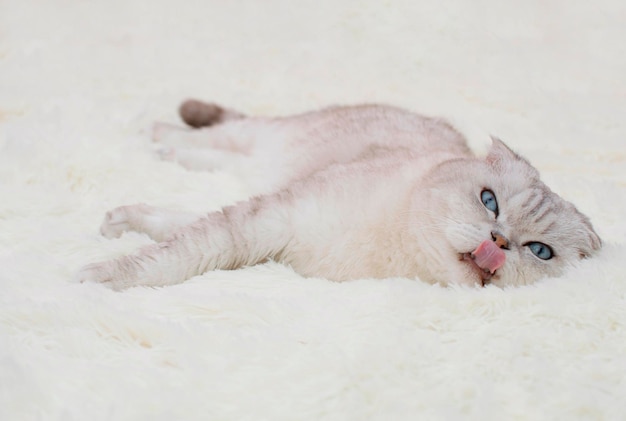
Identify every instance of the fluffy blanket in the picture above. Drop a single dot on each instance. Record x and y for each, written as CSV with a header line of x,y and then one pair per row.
x,y
81,84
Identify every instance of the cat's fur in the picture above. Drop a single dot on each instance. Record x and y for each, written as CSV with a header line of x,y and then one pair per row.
x,y
351,192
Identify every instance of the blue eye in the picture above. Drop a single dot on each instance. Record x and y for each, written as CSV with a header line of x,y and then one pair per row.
x,y
489,200
541,250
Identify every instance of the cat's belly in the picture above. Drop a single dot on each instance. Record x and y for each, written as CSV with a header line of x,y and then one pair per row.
x,y
348,250
355,261
350,221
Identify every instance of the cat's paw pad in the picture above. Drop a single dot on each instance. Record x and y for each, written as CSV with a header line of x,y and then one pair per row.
x,y
118,221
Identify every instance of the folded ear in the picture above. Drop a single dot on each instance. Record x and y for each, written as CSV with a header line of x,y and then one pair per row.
x,y
499,152
503,159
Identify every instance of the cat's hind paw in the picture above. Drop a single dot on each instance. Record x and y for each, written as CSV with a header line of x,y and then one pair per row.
x,y
167,133
166,154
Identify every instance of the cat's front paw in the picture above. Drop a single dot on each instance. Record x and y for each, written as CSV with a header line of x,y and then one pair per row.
x,y
102,273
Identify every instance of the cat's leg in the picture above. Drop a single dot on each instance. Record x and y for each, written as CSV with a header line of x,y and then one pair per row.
x,y
206,149
202,159
240,235
236,136
255,149
158,223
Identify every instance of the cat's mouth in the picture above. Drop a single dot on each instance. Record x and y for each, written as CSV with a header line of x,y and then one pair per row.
x,y
485,260
484,274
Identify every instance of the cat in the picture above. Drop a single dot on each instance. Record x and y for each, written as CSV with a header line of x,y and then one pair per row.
x,y
349,192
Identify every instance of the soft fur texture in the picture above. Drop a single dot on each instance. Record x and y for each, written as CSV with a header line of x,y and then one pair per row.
x,y
353,192
80,86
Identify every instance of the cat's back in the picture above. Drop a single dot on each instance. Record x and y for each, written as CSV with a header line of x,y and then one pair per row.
x,y
287,149
379,125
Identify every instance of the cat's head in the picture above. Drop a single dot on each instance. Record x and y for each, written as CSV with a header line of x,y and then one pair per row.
x,y
492,220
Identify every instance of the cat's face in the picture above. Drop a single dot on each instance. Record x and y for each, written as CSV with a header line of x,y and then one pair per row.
x,y
492,220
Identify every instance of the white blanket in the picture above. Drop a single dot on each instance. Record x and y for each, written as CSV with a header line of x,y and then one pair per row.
x,y
81,84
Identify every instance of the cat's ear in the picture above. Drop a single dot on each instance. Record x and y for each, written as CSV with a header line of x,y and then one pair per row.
x,y
500,152
502,158
593,243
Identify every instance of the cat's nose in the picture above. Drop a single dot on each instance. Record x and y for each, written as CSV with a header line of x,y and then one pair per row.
x,y
500,240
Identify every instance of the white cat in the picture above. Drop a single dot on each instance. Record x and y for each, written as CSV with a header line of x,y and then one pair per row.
x,y
352,192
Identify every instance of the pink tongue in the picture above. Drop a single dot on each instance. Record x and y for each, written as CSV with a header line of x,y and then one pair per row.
x,y
489,256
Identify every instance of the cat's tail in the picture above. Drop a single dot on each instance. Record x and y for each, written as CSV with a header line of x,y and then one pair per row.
x,y
201,114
